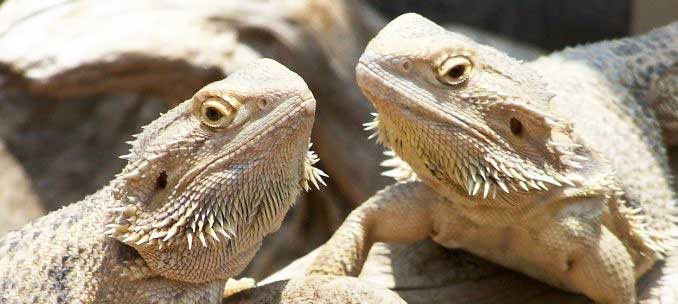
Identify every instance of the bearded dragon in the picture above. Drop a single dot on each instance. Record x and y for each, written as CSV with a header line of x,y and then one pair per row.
x,y
204,183
554,168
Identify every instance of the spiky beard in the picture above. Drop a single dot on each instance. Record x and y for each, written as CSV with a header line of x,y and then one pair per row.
x,y
312,175
196,220
477,176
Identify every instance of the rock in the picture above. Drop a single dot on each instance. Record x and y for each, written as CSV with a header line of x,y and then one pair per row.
x,y
18,202
70,148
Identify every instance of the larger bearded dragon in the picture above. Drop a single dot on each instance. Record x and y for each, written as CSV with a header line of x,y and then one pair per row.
x,y
203,185
555,168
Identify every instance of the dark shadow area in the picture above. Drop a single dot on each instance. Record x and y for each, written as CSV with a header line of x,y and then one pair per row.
x,y
548,24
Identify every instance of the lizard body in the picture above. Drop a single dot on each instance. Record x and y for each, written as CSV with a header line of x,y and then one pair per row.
x,y
204,184
555,168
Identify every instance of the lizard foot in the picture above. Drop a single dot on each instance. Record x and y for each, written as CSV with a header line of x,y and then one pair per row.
x,y
234,286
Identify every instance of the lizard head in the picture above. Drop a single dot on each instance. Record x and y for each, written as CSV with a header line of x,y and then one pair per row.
x,y
464,115
221,169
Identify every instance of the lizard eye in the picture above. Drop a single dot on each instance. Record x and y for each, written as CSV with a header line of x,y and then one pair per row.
x,y
216,113
455,70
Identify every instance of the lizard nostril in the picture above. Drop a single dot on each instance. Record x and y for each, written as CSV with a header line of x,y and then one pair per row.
x,y
262,103
407,65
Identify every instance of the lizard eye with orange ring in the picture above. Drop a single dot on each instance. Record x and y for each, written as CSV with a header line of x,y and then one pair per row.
x,y
216,113
455,70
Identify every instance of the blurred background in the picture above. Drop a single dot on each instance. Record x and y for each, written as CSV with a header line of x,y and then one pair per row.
x,y
78,78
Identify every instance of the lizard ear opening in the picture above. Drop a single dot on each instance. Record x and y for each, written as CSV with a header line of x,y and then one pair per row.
x,y
161,181
533,132
516,126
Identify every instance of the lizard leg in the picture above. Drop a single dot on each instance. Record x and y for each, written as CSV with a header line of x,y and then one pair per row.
x,y
400,213
593,260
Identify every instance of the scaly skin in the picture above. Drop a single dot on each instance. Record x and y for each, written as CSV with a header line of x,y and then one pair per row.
x,y
204,184
555,168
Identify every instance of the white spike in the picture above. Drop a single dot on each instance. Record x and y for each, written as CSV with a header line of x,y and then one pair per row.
x,y
515,174
143,239
132,175
170,233
213,234
202,238
469,186
127,157
472,171
565,180
502,185
318,177
156,234
476,188
393,173
195,221
391,162
131,238
314,181
486,189
221,231
483,172
165,222
118,228
551,181
182,220
189,238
